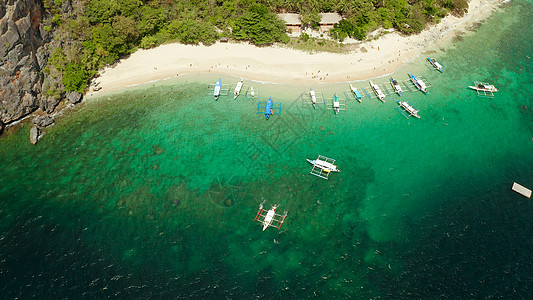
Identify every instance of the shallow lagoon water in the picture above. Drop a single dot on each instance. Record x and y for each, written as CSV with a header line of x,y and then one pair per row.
x,y
152,192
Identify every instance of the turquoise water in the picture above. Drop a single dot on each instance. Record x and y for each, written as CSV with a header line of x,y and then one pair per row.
x,y
152,192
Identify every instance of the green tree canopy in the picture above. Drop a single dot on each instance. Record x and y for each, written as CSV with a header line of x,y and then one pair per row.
x,y
259,26
75,78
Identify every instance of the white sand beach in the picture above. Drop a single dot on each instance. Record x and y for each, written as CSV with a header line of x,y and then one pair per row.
x,y
277,64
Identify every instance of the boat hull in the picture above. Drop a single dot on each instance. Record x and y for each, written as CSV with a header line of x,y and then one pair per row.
x,y
313,162
420,85
435,64
217,89
397,88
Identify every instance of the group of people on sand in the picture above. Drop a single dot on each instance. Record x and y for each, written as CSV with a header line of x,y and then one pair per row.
x,y
313,76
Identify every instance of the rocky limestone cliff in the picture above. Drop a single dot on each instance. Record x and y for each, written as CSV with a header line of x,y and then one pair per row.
x,y
23,55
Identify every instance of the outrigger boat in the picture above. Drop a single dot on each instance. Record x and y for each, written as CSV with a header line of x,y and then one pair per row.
x,y
269,108
418,83
408,109
378,92
270,218
436,64
484,89
238,88
323,166
336,104
218,86
356,93
252,93
313,97
396,86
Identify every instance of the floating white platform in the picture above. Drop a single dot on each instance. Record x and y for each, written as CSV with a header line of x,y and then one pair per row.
x,y
521,190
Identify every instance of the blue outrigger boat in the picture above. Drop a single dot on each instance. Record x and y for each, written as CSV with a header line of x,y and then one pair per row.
x,y
269,108
436,64
418,83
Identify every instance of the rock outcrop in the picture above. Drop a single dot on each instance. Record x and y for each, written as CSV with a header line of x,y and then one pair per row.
x,y
23,55
34,135
43,121
74,97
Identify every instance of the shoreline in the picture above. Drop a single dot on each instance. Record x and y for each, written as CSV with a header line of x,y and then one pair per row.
x,y
375,58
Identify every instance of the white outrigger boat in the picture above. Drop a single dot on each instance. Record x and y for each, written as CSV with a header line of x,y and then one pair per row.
x,y
313,97
336,104
323,166
436,64
407,109
396,86
481,86
270,218
252,93
378,92
356,93
418,83
484,89
238,88
218,87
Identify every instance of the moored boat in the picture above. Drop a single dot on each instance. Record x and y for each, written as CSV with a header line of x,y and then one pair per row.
x,y
436,64
484,87
238,88
409,109
313,97
218,87
323,165
336,104
270,218
418,83
268,108
356,93
396,86
378,92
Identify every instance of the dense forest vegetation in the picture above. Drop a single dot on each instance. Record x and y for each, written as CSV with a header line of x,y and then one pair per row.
x,y
95,33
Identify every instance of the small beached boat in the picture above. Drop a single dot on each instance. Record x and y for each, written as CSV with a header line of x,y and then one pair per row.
x,y
436,64
378,92
396,86
216,91
238,88
356,93
408,109
418,83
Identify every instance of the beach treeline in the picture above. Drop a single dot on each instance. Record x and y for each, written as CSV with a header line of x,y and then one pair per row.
x,y
90,34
